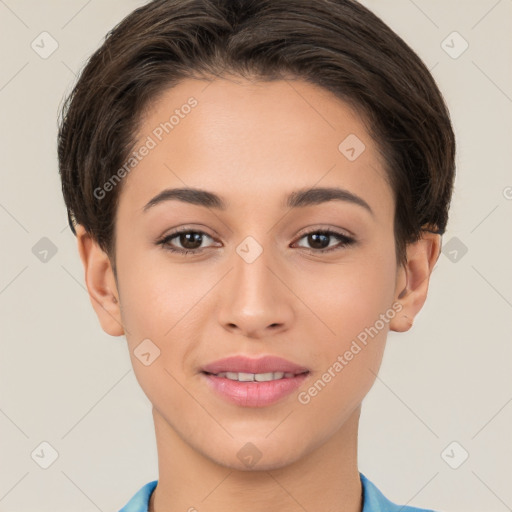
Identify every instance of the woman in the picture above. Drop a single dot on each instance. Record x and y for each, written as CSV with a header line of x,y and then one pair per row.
x,y
258,190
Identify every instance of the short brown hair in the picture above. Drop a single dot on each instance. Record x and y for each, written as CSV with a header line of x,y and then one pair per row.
x,y
336,44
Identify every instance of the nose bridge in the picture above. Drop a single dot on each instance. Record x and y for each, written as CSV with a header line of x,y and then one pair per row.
x,y
256,299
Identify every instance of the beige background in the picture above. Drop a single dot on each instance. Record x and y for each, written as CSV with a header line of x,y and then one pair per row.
x,y
64,382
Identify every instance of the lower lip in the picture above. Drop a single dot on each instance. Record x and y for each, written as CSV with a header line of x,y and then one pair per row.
x,y
254,394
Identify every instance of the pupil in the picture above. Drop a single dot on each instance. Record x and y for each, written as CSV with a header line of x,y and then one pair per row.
x,y
318,240
196,238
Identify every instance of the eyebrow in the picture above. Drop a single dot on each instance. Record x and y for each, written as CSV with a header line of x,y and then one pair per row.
x,y
297,199
188,195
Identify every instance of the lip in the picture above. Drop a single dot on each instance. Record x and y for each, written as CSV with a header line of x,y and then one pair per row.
x,y
243,364
254,394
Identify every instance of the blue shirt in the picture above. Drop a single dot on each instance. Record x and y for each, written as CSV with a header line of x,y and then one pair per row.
x,y
373,499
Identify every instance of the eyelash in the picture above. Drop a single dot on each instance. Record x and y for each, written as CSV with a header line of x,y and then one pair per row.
x,y
345,241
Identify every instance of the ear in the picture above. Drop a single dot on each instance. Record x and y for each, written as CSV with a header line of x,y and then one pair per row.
x,y
100,282
413,279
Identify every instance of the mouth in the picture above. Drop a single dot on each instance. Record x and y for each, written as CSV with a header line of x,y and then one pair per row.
x,y
256,377
248,382
245,369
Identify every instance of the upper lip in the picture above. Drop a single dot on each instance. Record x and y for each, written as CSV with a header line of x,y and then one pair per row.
x,y
243,364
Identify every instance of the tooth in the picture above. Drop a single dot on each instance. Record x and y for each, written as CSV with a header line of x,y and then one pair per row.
x,y
263,377
258,377
245,377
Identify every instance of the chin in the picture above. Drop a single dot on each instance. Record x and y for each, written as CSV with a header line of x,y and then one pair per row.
x,y
258,455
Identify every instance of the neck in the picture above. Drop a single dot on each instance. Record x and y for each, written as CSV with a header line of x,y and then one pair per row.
x,y
324,479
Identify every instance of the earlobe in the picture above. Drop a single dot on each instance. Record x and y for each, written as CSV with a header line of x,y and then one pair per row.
x,y
100,282
413,279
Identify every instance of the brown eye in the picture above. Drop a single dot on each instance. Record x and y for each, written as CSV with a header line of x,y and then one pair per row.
x,y
321,240
190,240
185,242
318,240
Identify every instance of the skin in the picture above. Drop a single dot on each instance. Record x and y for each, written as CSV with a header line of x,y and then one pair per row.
x,y
253,143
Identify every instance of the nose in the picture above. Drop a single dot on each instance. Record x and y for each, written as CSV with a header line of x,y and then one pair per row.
x,y
255,301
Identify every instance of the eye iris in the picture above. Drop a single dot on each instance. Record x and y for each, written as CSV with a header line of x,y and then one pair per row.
x,y
194,238
318,240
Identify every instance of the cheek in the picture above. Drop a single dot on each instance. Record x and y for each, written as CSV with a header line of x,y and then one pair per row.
x,y
348,360
166,304
157,306
353,302
347,297
154,293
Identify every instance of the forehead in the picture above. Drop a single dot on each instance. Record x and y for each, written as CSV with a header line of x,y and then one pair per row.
x,y
251,139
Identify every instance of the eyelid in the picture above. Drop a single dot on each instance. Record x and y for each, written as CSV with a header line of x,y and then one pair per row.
x,y
322,228
344,241
164,239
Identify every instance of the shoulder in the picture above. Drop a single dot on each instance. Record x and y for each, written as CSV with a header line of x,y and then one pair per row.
x,y
375,501
140,500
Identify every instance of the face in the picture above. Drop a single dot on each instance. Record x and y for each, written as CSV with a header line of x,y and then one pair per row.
x,y
272,268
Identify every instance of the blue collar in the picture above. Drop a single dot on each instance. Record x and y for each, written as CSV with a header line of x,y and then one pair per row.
x,y
373,499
